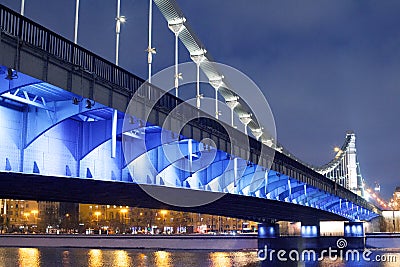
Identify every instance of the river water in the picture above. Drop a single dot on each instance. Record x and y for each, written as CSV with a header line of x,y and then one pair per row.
x,y
52,257
77,257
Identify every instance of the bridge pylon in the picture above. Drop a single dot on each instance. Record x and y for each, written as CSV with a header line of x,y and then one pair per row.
x,y
344,168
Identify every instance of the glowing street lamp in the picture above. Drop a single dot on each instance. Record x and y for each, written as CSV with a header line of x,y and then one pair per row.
x,y
26,214
35,213
97,214
164,212
123,213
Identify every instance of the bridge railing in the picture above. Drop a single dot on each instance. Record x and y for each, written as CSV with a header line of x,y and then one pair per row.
x,y
32,33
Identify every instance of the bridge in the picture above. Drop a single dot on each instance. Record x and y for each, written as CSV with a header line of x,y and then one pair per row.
x,y
67,122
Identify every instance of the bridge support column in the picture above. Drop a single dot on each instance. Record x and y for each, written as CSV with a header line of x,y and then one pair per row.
x,y
354,229
268,234
268,230
310,235
354,234
310,230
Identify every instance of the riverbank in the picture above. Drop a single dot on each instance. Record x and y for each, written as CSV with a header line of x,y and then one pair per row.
x,y
181,242
383,240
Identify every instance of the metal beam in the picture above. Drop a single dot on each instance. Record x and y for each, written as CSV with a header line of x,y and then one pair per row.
x,y
28,101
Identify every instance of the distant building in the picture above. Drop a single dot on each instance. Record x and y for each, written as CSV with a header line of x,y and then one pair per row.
x,y
34,216
18,215
59,217
117,219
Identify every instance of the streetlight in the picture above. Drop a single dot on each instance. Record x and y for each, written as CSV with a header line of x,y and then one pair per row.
x,y
216,83
76,21
26,214
150,50
118,20
198,57
123,214
35,213
163,213
97,214
176,26
22,7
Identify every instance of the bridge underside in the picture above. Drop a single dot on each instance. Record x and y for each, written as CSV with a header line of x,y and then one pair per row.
x,y
64,139
51,188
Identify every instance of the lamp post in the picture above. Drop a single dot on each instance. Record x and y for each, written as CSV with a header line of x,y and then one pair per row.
x,y
22,7
35,213
216,83
163,213
26,214
118,20
198,57
176,26
150,50
97,214
76,21
245,119
232,103
123,215
67,222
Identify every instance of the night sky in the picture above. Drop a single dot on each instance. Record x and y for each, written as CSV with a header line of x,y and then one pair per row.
x,y
325,67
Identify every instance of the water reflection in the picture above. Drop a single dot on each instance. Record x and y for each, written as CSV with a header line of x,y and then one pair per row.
x,y
220,259
49,257
121,259
141,260
242,258
163,258
374,259
95,258
29,257
65,259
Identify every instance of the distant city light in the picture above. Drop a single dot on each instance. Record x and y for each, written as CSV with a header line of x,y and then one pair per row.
x,y
164,212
